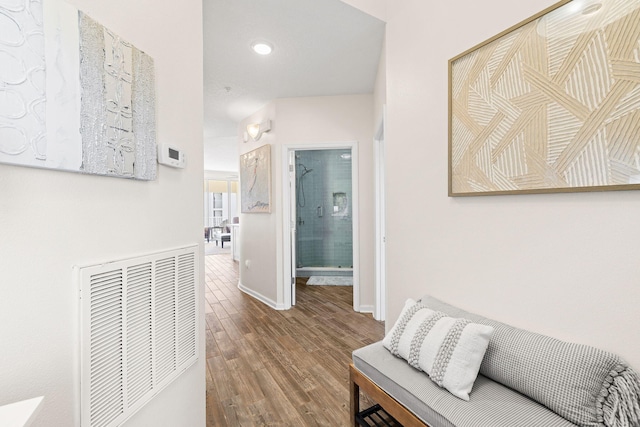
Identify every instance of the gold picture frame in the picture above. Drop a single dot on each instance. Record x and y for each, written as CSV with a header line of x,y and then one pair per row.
x,y
255,180
551,104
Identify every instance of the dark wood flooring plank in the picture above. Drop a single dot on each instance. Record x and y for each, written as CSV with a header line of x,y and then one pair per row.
x,y
277,398
312,415
279,368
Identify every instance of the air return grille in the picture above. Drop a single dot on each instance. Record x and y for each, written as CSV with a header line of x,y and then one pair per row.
x,y
138,331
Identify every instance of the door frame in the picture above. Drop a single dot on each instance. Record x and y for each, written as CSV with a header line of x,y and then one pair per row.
x,y
379,312
289,224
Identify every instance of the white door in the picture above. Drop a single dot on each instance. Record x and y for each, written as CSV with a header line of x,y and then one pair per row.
x,y
294,217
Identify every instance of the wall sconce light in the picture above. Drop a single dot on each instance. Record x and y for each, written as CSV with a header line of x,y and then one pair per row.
x,y
255,130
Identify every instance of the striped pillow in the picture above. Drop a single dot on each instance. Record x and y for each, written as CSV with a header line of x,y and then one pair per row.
x,y
449,350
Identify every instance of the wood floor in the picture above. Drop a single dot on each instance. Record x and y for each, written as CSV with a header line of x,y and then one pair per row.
x,y
280,368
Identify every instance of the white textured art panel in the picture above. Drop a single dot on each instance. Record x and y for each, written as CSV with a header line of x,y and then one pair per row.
x,y
64,147
22,83
74,95
118,79
111,99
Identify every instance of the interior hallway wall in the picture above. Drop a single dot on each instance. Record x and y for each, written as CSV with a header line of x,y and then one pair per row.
x,y
303,121
258,236
51,221
559,264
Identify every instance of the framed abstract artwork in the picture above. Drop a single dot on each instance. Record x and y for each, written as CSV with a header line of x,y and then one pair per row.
x,y
74,95
549,105
255,180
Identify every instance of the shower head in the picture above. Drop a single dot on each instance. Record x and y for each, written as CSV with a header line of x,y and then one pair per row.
x,y
305,170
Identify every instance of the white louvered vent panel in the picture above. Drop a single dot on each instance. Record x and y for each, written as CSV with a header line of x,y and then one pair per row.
x,y
139,329
107,388
186,308
165,330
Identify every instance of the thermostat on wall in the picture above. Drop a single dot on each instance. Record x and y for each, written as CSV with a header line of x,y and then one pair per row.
x,y
171,156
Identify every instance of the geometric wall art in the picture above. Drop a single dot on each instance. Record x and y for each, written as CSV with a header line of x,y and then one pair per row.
x,y
549,105
255,180
74,96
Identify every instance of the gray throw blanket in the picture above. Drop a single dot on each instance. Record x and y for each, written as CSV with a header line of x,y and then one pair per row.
x,y
585,385
619,400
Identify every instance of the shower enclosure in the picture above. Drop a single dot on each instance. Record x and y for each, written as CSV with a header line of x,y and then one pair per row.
x,y
323,212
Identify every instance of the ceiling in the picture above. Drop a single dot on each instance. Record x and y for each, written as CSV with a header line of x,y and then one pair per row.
x,y
321,47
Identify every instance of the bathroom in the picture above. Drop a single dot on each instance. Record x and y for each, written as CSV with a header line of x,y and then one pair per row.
x,y
324,243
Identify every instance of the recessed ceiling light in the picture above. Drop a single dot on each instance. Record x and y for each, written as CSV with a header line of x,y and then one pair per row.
x,y
262,48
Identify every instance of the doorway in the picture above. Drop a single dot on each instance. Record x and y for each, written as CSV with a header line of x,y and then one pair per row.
x,y
320,228
324,246
221,215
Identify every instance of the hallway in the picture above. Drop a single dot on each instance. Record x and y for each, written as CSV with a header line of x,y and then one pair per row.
x,y
268,367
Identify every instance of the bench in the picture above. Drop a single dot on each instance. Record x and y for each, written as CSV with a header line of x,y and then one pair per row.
x,y
525,380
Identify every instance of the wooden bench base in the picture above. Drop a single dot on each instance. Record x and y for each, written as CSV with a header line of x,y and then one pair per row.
x,y
395,409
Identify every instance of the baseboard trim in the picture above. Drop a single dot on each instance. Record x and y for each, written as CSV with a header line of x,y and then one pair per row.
x,y
268,301
366,309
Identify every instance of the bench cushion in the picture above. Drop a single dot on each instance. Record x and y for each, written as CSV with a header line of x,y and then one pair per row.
x,y
585,385
490,403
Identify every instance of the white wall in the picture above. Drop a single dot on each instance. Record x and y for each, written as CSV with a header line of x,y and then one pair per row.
x,y
221,175
258,230
560,264
51,221
377,8
303,121
221,154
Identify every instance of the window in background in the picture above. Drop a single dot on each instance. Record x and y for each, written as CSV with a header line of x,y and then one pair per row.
x,y
220,202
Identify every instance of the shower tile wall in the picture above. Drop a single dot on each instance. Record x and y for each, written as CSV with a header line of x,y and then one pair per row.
x,y
324,231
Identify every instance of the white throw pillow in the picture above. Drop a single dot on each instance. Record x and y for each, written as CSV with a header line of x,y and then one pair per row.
x,y
449,350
